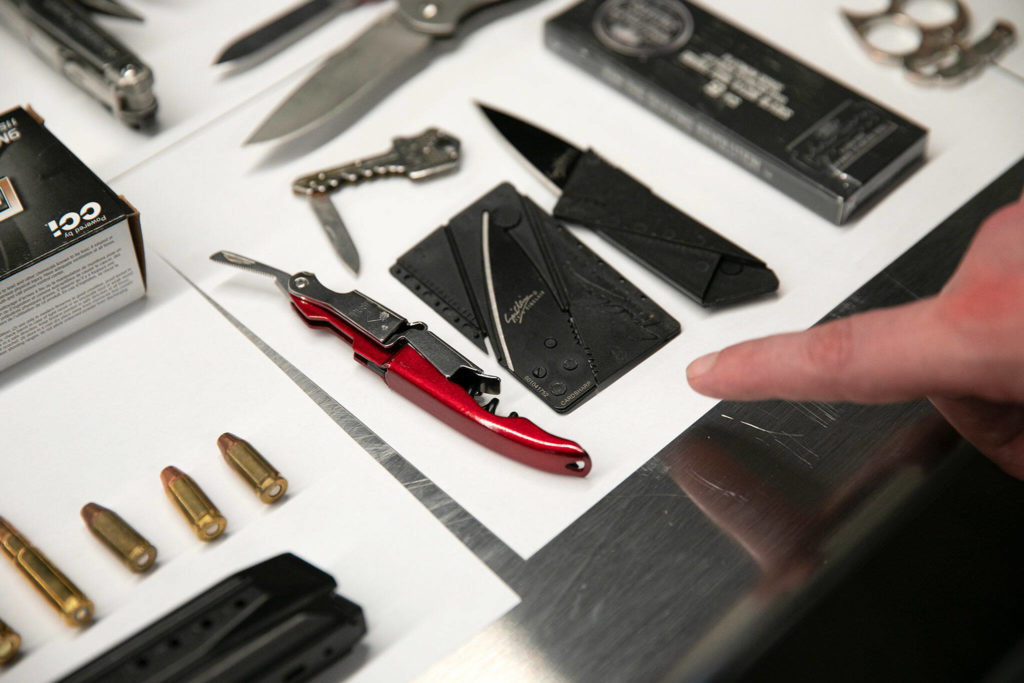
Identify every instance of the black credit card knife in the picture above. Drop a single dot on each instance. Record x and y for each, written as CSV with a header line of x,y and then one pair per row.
x,y
559,318
698,261
279,620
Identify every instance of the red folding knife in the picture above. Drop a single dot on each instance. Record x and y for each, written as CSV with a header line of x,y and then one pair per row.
x,y
417,364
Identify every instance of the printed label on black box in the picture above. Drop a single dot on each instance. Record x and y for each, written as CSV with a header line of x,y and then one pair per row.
x,y
74,222
643,28
733,80
9,132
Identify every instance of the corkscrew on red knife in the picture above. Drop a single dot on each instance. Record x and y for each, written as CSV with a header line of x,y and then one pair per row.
x,y
420,366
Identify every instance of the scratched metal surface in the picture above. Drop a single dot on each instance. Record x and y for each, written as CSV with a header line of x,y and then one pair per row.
x,y
695,564
692,566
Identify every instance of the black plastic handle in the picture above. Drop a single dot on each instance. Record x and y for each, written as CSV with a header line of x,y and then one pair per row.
x,y
279,620
698,261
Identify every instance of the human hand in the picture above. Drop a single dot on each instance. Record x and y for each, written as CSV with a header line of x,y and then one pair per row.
x,y
962,348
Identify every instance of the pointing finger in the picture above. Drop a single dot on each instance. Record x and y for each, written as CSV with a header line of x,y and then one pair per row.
x,y
885,355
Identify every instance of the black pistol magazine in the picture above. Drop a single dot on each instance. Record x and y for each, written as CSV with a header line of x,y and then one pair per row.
x,y
279,620
560,319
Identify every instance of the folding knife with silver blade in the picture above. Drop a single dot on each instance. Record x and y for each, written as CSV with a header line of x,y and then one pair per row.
x,y
353,80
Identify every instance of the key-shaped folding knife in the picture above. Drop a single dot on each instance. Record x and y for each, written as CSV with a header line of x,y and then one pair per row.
x,y
420,366
422,156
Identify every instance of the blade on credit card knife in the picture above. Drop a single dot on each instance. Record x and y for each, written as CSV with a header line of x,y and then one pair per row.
x,y
284,29
696,260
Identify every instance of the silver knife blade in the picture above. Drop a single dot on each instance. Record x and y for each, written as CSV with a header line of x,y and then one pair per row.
x,y
281,278
284,29
351,80
335,228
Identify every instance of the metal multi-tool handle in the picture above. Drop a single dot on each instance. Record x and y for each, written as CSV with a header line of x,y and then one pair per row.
x,y
428,154
417,364
66,37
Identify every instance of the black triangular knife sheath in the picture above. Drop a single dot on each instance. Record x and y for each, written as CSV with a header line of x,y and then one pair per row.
x,y
698,261
560,319
279,620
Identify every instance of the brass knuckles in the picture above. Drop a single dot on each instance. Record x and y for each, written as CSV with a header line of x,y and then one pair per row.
x,y
942,57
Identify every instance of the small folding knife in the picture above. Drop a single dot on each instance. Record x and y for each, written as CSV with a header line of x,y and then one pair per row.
x,y
420,366
696,260
354,79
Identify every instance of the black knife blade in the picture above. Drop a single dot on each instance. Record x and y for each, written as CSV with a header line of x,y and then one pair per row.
x,y
696,260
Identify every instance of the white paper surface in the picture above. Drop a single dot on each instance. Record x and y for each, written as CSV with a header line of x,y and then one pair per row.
x,y
98,416
207,193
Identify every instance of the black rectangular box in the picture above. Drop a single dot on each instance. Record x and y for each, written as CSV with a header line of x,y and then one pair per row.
x,y
824,145
70,249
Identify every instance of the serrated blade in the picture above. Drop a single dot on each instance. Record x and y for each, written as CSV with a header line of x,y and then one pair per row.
x,y
335,228
350,81
281,278
551,155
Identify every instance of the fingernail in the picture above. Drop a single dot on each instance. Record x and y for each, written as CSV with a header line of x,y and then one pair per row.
x,y
701,366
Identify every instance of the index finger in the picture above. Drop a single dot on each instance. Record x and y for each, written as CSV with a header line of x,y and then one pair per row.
x,y
880,356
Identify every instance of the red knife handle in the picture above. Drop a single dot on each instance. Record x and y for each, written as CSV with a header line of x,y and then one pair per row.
x,y
414,377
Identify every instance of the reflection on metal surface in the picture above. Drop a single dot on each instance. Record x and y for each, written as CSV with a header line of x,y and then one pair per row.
x,y
506,653
695,563
799,523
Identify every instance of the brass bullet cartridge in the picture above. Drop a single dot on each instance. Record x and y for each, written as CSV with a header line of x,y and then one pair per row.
x,y
75,608
257,472
202,515
136,552
10,642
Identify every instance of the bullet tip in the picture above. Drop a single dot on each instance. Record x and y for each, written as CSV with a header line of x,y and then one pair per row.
x,y
225,441
90,511
170,474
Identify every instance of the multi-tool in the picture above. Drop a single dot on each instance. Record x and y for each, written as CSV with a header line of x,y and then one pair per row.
x,y
63,33
422,156
351,81
284,29
420,366
699,262
942,55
